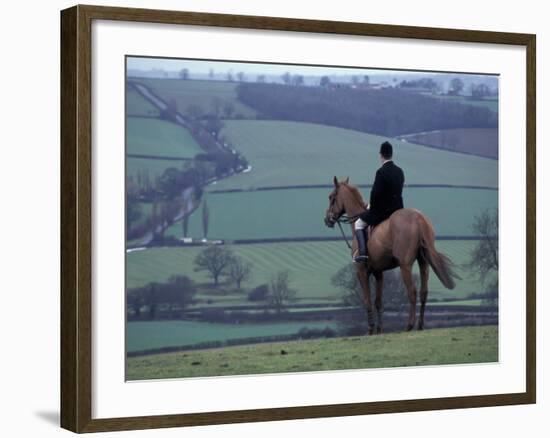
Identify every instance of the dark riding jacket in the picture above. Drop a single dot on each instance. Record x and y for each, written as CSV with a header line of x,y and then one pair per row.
x,y
386,194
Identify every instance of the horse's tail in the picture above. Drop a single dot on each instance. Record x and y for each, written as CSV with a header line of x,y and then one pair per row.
x,y
440,263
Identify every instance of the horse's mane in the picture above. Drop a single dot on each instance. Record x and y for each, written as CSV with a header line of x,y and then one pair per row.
x,y
355,193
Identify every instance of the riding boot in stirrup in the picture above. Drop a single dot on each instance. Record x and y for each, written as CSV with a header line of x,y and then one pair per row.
x,y
361,236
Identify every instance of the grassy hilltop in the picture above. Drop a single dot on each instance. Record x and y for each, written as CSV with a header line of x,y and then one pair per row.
x,y
431,347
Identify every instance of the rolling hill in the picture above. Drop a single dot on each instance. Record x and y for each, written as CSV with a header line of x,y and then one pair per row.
x,y
204,94
299,212
157,138
292,153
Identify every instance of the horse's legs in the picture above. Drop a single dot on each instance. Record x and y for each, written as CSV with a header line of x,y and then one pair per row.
x,y
363,278
424,273
379,276
406,273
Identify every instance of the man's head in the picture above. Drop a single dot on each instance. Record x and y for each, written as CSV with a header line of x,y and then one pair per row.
x,y
386,151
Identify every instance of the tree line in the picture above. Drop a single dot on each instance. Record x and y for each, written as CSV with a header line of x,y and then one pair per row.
x,y
170,299
389,112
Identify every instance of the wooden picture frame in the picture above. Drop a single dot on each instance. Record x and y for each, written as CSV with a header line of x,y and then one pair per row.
x,y
76,217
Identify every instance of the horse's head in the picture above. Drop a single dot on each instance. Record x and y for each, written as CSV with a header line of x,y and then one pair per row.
x,y
335,208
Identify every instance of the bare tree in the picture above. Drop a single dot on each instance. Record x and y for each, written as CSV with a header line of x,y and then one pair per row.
x,y
286,78
214,125
394,293
171,110
325,81
479,91
228,109
184,74
185,225
456,87
297,80
205,218
134,301
394,296
175,295
485,254
280,292
152,298
484,257
179,292
240,271
216,105
215,260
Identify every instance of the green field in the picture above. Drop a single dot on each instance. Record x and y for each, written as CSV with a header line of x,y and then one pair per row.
x,y
153,168
311,266
200,93
136,105
430,347
157,334
292,153
159,138
300,212
492,104
479,141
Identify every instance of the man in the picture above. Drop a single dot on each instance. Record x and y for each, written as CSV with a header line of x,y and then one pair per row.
x,y
385,198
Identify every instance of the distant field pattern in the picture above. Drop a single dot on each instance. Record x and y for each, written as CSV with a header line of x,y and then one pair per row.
x,y
288,153
204,94
156,138
136,105
477,141
299,212
311,266
159,138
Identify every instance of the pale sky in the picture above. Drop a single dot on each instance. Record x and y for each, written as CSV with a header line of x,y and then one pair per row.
x,y
198,66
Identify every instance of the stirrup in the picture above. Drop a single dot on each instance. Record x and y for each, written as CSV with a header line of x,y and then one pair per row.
x,y
360,259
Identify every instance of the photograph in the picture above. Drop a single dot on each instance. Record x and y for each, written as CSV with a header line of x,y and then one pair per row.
x,y
288,218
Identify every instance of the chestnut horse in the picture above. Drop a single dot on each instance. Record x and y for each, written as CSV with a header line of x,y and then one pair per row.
x,y
405,237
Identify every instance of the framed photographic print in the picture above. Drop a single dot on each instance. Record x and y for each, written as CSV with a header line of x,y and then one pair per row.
x,y
305,218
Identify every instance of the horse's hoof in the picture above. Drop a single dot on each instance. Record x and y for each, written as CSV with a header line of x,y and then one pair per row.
x,y
370,332
379,331
409,327
420,327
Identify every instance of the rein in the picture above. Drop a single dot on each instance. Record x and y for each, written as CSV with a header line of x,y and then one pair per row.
x,y
345,220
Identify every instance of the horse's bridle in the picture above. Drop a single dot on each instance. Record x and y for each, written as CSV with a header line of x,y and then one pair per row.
x,y
341,219
345,220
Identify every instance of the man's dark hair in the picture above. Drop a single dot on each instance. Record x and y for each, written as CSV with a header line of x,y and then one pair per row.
x,y
386,150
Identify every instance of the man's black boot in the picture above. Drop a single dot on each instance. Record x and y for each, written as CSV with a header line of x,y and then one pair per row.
x,y
361,236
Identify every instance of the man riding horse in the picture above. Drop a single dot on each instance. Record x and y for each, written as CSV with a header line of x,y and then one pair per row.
x,y
403,236
385,199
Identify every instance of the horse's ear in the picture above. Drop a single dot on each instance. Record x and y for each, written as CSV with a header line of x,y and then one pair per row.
x,y
347,180
336,182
